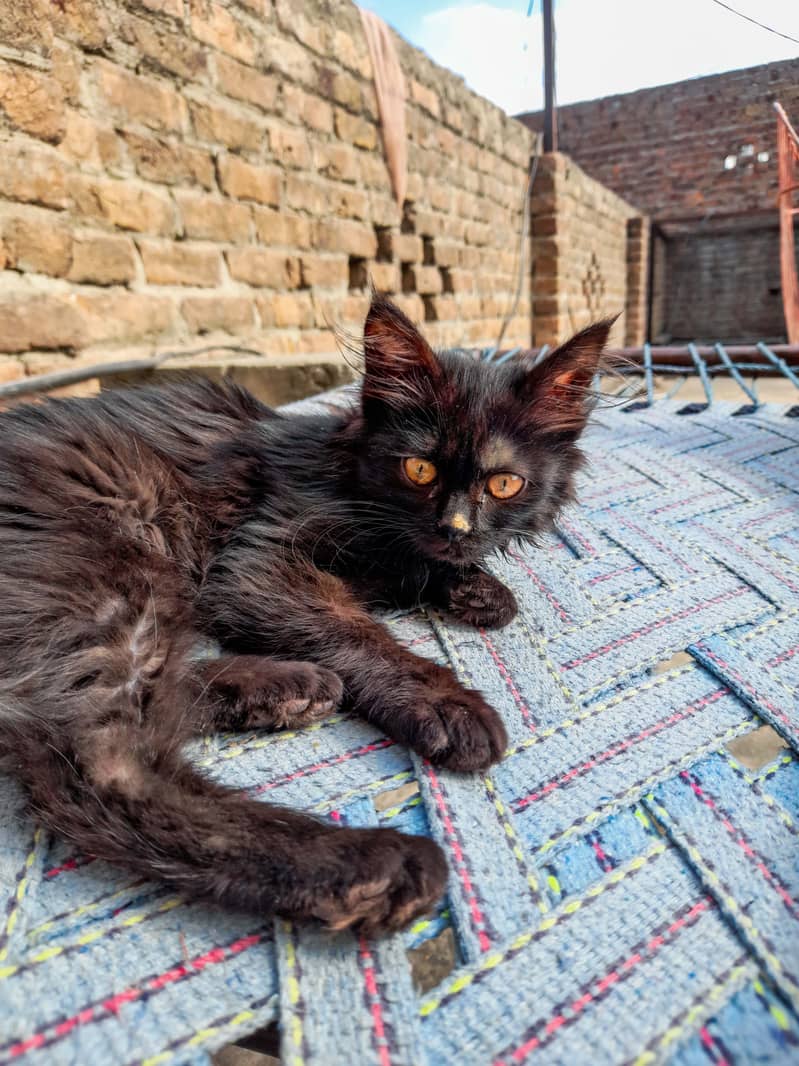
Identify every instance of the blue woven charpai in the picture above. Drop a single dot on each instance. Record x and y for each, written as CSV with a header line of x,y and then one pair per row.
x,y
623,889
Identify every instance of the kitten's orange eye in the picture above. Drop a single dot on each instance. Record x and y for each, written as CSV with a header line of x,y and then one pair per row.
x,y
419,471
505,486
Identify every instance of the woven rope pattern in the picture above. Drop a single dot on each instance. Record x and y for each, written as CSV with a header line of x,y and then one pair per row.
x,y
622,889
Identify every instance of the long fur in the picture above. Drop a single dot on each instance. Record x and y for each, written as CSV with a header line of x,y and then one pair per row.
x,y
136,524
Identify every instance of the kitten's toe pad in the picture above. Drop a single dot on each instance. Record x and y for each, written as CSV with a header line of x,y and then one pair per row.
x,y
387,880
305,694
476,737
482,600
452,726
281,695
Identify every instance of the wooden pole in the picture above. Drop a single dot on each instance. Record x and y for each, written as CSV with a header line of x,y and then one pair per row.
x,y
550,108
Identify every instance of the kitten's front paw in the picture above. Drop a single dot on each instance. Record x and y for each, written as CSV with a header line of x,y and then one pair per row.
x,y
377,880
452,726
482,600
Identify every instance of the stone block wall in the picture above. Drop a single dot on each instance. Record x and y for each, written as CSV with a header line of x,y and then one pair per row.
x,y
181,169
583,236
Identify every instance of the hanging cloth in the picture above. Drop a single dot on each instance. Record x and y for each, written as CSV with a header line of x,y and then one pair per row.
x,y
391,94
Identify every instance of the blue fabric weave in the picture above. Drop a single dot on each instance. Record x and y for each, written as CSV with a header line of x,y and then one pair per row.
x,y
622,890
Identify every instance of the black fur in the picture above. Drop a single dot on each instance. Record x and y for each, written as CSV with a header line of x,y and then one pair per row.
x,y
137,523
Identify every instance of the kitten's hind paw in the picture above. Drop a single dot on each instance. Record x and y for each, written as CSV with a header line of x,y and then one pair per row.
x,y
481,600
379,880
254,692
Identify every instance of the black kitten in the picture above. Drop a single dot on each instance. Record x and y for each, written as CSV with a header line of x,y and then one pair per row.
x,y
135,523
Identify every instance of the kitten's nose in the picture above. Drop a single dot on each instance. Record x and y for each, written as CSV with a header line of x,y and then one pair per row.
x,y
455,526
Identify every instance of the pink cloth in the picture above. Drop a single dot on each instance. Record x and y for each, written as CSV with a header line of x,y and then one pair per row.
x,y
391,94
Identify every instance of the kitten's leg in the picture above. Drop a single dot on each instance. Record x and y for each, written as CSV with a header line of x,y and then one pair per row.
x,y
473,596
112,799
292,608
255,692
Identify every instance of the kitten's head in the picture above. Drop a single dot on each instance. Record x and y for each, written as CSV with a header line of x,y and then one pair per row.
x,y
470,454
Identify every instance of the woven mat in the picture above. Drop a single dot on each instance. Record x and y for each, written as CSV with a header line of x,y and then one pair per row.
x,y
623,889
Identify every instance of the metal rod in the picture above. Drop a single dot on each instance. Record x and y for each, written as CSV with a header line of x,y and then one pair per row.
x,y
781,364
735,374
550,107
679,354
650,384
701,367
85,372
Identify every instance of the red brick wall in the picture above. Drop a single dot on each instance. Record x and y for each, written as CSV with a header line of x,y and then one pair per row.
x,y
663,149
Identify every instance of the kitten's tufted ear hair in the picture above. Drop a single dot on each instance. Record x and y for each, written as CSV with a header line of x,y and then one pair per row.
x,y
559,388
400,364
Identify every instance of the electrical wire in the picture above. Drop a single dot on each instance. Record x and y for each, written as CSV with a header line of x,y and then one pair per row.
x,y
754,22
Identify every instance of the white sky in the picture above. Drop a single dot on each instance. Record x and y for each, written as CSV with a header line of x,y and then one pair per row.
x,y
603,46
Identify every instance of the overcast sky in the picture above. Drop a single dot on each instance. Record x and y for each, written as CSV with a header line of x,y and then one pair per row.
x,y
603,46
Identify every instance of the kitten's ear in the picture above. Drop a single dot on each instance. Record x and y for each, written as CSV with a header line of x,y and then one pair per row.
x,y
400,364
559,388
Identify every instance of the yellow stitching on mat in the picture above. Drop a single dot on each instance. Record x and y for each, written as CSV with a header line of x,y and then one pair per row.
x,y
294,1031
598,708
88,938
85,908
331,802
729,901
19,892
539,643
515,846
488,962
755,783
777,1013
719,992
627,604
200,1037
665,771
267,742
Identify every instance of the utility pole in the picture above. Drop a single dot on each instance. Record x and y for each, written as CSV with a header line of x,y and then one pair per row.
x,y
550,108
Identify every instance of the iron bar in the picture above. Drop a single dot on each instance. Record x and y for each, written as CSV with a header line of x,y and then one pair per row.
x,y
701,367
735,374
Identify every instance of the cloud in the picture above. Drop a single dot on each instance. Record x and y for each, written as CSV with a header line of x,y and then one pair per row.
x,y
603,46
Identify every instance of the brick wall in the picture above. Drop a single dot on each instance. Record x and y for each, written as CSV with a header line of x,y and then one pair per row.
x,y
663,149
700,302
178,168
581,234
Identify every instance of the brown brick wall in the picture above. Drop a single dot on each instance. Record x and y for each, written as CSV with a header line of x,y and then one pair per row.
x,y
171,168
580,237
704,275
663,149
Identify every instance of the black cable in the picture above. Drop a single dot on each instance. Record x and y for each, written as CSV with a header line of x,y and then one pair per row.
x,y
754,22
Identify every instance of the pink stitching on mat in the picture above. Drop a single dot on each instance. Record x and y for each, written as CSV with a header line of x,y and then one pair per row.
x,y
757,860
525,710
460,861
604,983
375,1008
658,624
744,683
621,746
